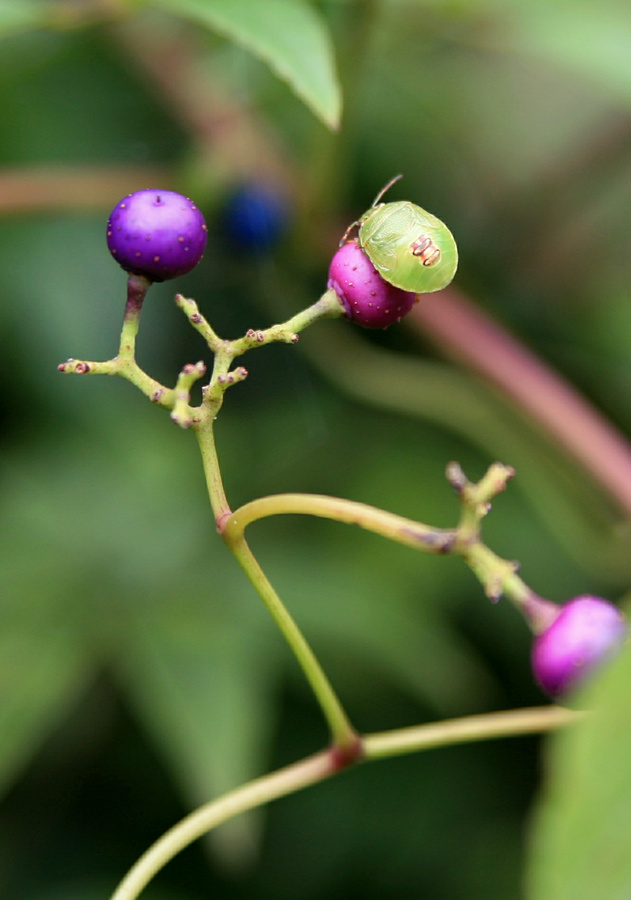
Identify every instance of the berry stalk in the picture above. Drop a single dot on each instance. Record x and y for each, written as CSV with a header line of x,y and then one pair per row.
x,y
124,363
137,287
497,576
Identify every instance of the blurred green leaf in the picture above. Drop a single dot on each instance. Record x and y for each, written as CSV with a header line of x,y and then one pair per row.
x,y
286,34
204,684
592,39
21,15
45,662
581,846
42,671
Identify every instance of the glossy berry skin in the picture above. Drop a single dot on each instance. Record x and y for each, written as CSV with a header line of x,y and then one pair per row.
x,y
586,631
157,234
367,299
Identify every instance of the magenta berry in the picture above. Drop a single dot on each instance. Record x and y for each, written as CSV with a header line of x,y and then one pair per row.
x,y
367,298
586,631
157,234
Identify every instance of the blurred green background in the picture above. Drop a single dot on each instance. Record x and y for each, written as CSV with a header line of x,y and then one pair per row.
x,y
139,675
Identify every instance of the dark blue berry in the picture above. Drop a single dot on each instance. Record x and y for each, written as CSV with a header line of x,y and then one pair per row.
x,y
255,216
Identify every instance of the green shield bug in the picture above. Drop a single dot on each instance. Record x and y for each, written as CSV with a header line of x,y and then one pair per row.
x,y
408,246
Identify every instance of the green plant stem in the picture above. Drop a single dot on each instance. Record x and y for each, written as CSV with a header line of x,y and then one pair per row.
x,y
206,440
128,369
396,528
255,793
467,729
342,733
328,306
137,288
497,575
124,363
320,766
201,419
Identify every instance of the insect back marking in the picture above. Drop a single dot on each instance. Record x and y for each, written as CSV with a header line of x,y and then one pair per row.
x,y
426,250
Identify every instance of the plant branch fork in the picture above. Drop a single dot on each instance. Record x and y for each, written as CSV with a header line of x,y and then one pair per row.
x,y
497,576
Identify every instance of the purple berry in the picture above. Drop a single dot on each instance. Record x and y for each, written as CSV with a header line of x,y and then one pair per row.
x,y
157,234
586,631
367,298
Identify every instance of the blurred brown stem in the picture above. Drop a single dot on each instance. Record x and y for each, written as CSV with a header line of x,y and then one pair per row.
x,y
468,335
72,187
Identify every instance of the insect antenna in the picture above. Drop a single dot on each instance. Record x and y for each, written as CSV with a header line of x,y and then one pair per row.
x,y
386,188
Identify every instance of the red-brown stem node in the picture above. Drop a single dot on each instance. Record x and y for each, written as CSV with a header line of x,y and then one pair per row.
x,y
343,757
221,520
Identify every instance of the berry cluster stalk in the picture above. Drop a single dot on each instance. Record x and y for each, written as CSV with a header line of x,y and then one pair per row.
x,y
497,575
175,234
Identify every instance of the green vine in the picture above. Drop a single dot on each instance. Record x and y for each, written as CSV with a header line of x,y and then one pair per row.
x,y
497,576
